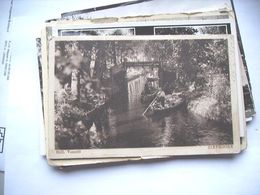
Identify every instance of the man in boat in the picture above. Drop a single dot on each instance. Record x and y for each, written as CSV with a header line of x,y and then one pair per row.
x,y
161,97
149,91
148,88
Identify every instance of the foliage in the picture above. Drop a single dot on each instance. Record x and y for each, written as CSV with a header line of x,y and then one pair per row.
x,y
68,122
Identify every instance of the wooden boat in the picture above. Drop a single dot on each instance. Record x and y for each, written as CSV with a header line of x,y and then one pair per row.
x,y
171,103
157,109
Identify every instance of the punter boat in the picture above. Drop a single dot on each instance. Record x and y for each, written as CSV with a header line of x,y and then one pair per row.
x,y
170,104
166,108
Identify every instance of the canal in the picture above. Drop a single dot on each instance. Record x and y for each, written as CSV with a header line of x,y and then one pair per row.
x,y
128,128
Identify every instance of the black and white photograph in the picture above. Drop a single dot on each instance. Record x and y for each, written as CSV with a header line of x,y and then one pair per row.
x,y
193,29
144,93
97,32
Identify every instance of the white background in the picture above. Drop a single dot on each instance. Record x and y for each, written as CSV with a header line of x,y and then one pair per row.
x,y
28,173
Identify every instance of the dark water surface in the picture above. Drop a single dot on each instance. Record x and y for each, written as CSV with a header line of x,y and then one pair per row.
x,y
129,128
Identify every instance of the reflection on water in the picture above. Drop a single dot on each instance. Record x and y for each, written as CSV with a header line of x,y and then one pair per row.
x,y
129,128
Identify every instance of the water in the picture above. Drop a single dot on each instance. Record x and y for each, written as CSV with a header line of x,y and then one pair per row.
x,y
129,128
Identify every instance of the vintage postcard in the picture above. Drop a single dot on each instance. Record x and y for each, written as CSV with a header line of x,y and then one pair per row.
x,y
129,96
219,26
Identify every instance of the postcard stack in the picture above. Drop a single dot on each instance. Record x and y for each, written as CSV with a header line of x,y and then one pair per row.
x,y
144,86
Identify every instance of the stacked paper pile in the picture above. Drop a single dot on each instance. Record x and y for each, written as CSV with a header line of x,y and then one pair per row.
x,y
144,80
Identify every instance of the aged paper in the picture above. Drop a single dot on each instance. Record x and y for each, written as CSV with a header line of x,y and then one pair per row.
x,y
74,147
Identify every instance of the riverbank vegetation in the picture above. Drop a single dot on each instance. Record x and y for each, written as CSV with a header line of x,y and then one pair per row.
x,y
201,70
